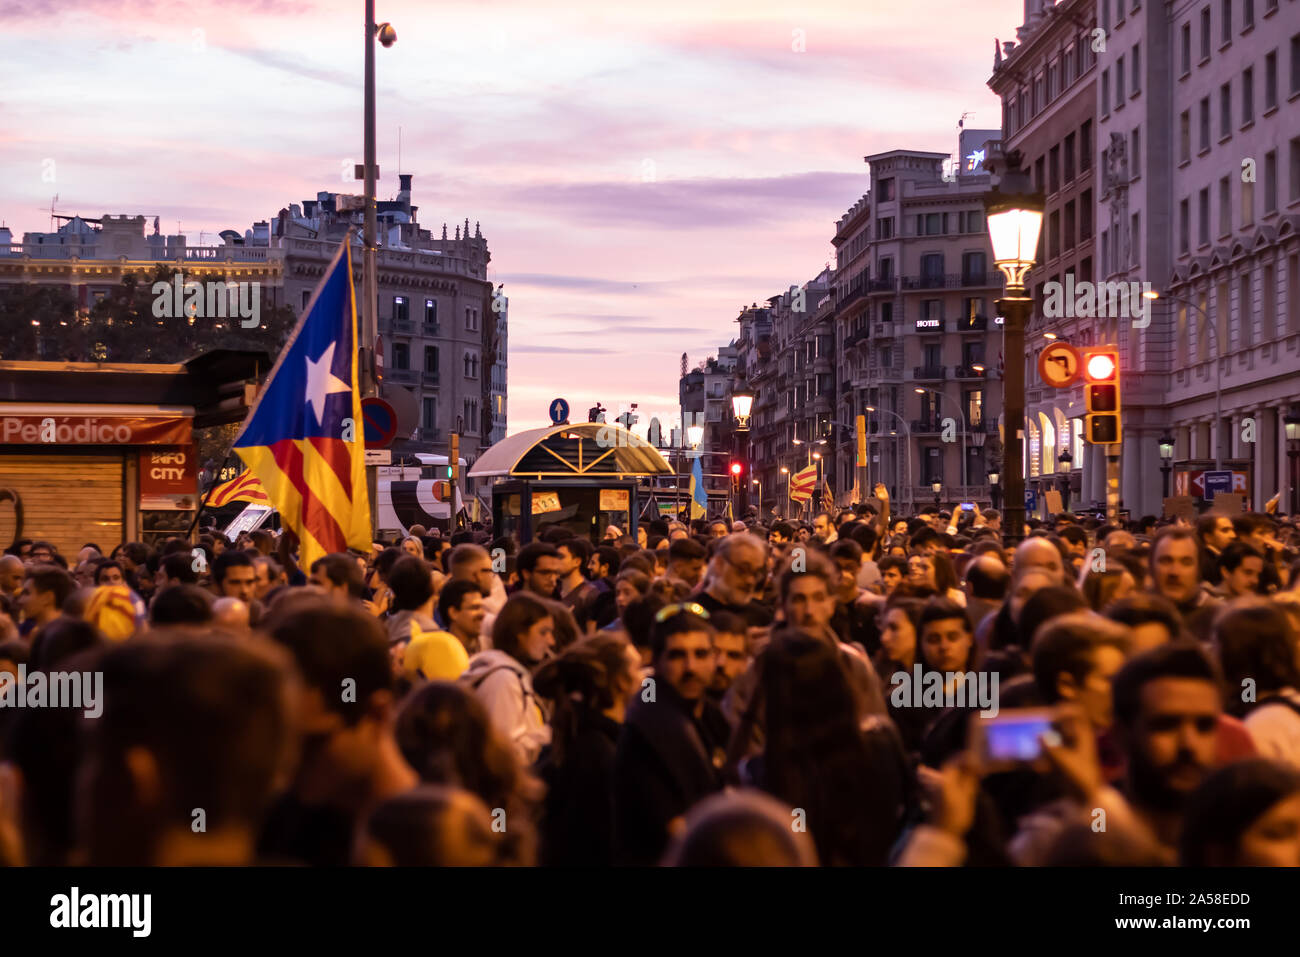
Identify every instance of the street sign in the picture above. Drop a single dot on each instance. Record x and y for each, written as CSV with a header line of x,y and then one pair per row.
x,y
1216,482
379,456
380,422
1059,365
559,412
1031,501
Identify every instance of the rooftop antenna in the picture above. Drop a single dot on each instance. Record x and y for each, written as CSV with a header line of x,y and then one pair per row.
x,y
52,202
399,150
961,124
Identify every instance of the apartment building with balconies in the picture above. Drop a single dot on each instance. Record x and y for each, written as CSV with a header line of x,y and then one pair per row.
x,y
932,324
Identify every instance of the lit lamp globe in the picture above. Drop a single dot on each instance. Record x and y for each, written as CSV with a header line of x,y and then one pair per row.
x,y
742,401
1015,218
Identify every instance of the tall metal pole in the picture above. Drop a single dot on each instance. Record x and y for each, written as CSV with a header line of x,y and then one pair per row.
x,y
1015,309
370,286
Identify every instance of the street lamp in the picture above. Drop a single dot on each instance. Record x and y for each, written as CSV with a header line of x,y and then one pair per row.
x,y
995,493
937,487
907,449
1066,460
1166,459
786,472
1292,425
1014,211
759,483
742,401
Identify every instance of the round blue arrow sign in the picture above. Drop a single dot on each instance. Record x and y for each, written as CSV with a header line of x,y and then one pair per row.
x,y
559,412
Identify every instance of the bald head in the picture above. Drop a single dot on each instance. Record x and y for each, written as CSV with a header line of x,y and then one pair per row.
x,y
230,613
11,574
1041,554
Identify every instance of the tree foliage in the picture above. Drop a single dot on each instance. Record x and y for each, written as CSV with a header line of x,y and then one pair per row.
x,y
45,322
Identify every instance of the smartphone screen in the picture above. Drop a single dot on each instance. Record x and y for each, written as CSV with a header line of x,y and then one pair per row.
x,y
967,506
1015,737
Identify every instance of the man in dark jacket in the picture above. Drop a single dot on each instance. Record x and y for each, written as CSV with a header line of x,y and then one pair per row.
x,y
673,743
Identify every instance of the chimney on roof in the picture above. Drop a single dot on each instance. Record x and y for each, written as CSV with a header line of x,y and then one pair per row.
x,y
404,190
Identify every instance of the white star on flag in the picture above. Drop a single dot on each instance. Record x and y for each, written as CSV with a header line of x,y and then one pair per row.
x,y
322,383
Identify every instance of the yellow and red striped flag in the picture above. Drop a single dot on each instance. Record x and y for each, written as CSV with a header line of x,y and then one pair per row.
x,y
304,438
802,484
241,488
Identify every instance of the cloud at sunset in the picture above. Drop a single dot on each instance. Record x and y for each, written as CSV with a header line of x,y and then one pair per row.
x,y
640,172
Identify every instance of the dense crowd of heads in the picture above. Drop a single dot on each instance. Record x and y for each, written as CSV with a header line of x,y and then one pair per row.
x,y
860,688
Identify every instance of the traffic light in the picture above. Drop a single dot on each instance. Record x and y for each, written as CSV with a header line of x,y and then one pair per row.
x,y
736,470
1101,391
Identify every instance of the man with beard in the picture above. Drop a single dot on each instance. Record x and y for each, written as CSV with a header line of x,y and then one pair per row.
x,y
731,650
1175,568
1167,708
733,578
673,742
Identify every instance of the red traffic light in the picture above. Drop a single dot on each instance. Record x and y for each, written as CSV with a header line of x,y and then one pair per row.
x,y
736,468
1100,367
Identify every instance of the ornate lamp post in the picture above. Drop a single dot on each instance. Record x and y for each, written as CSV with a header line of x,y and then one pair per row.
x,y
1015,218
742,401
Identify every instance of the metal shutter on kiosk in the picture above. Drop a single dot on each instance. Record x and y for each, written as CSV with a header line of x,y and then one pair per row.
x,y
66,499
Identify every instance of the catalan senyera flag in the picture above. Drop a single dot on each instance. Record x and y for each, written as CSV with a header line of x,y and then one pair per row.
x,y
802,484
303,439
828,497
699,496
241,488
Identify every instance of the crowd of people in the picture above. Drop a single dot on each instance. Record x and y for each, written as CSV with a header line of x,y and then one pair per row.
x,y
695,693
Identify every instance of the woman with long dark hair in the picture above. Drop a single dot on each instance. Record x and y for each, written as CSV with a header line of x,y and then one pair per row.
x,y
848,780
446,736
590,684
1258,650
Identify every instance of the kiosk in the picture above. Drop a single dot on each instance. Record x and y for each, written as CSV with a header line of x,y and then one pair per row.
x,y
584,477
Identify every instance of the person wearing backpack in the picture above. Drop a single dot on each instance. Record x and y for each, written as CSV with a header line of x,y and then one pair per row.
x,y
501,677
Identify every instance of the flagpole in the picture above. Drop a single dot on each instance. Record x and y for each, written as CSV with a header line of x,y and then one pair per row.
x,y
203,502
370,287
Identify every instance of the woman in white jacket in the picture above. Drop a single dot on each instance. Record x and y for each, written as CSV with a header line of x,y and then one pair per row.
x,y
523,635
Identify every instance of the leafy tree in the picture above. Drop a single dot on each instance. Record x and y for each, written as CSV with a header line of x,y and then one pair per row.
x,y
44,322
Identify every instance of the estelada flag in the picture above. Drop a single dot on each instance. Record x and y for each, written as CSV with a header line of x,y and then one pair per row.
x,y
303,438
828,497
241,488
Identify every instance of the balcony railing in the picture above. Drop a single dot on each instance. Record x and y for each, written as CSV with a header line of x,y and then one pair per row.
x,y
925,426
854,338
928,372
961,280
402,376
882,285
968,372
882,330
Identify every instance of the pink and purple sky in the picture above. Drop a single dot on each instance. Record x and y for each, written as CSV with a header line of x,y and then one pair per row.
x,y
640,170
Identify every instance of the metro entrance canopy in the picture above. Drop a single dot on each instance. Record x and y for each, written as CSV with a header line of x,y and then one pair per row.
x,y
584,477
588,449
